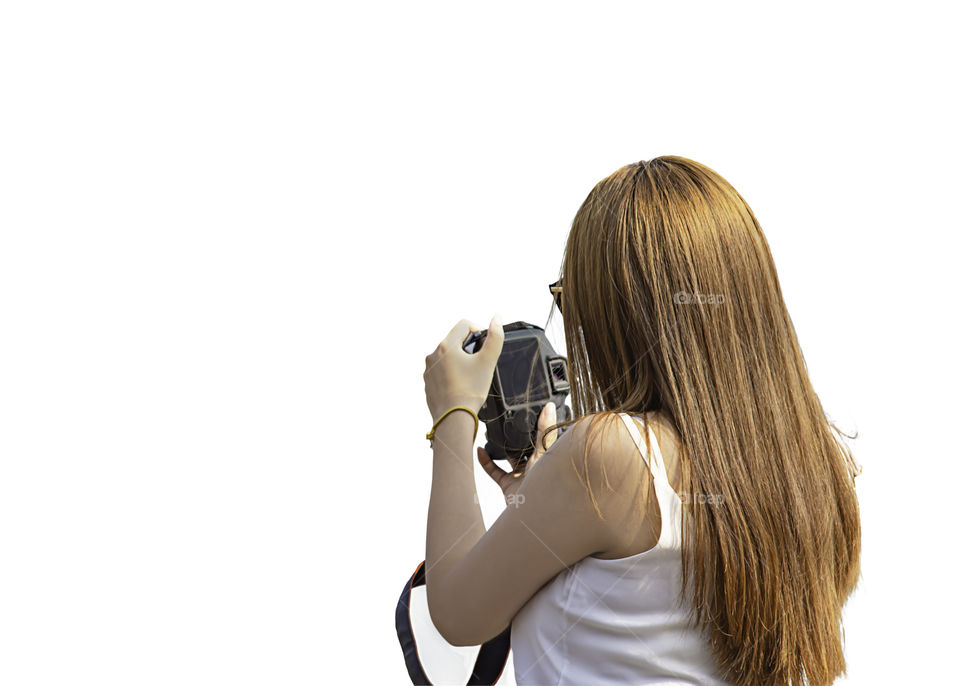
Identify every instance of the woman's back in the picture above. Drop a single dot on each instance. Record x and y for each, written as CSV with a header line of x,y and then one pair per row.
x,y
671,303
615,621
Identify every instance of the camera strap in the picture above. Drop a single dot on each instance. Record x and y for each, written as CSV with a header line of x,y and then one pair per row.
x,y
418,656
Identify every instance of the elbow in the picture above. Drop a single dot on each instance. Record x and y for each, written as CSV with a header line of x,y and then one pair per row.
x,y
458,639
448,622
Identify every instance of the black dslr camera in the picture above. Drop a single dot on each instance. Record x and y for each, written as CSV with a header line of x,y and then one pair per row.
x,y
529,374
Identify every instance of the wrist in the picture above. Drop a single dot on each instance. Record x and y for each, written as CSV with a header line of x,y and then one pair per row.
x,y
456,426
437,409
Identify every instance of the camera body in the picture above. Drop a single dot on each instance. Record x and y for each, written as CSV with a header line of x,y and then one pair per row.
x,y
529,374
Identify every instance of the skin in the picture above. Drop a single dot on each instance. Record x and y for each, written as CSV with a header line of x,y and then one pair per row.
x,y
477,580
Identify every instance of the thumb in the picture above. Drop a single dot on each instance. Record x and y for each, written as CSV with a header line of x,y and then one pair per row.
x,y
493,344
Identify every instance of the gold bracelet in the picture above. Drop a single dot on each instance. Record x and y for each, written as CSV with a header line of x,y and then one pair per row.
x,y
476,422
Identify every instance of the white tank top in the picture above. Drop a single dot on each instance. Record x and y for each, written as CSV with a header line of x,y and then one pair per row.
x,y
616,621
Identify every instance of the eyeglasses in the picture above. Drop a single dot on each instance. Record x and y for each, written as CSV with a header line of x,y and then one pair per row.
x,y
556,290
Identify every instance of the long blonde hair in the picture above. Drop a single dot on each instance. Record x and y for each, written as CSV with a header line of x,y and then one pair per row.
x,y
671,303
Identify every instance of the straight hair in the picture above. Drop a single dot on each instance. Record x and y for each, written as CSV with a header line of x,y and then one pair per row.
x,y
671,304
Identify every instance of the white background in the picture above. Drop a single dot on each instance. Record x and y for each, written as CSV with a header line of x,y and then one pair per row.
x,y
232,231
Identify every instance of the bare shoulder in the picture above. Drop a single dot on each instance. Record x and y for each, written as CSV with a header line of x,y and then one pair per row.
x,y
603,464
611,471
604,444
600,445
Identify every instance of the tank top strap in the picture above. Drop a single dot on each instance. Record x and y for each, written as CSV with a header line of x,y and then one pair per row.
x,y
668,502
652,457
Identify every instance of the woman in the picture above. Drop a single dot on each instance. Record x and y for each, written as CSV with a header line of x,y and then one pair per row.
x,y
697,522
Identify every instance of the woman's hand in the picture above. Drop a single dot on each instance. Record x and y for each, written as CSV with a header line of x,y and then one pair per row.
x,y
455,377
510,482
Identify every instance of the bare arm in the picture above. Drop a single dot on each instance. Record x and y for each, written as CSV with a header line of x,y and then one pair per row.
x,y
477,580
454,520
486,577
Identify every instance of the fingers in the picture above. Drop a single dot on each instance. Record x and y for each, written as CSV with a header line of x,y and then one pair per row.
x,y
547,418
514,461
494,341
502,478
488,466
458,334
492,345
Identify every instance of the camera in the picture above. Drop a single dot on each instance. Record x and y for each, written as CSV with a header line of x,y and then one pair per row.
x,y
529,374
